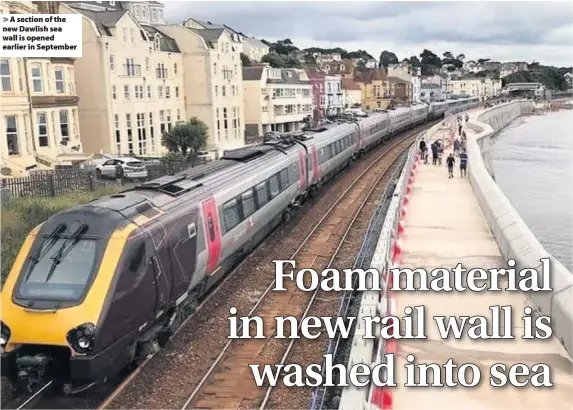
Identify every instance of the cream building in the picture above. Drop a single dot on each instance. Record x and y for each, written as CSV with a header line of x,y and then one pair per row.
x,y
236,37
213,84
255,49
275,99
39,107
351,93
483,87
130,84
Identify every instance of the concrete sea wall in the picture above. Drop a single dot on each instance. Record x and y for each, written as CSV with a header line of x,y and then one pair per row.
x,y
513,236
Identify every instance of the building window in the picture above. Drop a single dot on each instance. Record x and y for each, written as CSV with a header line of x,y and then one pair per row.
x,y
147,65
132,35
168,112
59,72
117,134
162,122
151,133
216,91
64,128
214,68
225,119
42,129
6,77
37,78
174,68
157,42
113,92
223,91
141,136
149,91
178,114
176,92
12,135
131,69
125,35
136,95
167,92
126,92
234,90
161,71
159,92
112,62
218,121
129,133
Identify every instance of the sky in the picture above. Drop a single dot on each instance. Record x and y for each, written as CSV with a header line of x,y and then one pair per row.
x,y
503,31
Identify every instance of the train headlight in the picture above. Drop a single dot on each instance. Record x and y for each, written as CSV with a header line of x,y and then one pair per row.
x,y
4,335
82,338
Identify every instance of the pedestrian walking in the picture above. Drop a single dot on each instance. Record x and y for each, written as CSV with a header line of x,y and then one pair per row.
x,y
450,161
463,163
422,148
456,147
440,153
460,129
467,118
434,152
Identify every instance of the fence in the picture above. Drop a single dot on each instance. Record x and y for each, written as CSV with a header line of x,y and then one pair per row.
x,y
52,183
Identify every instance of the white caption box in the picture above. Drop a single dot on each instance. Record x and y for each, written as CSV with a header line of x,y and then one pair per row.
x,y
41,35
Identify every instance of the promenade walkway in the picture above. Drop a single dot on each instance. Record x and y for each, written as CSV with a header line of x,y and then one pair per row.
x,y
445,225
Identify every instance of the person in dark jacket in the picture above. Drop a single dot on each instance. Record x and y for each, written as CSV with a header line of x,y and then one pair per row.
x,y
434,148
422,148
450,161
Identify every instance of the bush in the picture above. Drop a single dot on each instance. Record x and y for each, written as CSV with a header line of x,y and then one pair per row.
x,y
22,215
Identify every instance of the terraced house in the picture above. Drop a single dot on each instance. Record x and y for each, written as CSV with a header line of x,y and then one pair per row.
x,y
275,99
130,79
39,119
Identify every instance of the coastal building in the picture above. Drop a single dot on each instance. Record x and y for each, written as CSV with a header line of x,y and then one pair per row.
x,y
275,100
213,83
333,90
130,83
318,94
145,12
404,82
483,87
431,92
255,49
39,116
351,93
343,68
374,85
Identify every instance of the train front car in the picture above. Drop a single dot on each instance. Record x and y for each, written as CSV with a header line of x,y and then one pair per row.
x,y
57,296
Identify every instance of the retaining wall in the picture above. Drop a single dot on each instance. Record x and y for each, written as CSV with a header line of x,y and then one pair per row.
x,y
514,238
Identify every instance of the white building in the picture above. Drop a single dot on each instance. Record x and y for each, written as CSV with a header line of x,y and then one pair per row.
x,y
275,99
483,87
333,91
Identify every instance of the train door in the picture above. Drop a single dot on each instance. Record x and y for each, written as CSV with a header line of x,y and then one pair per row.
x,y
303,182
184,252
212,234
315,169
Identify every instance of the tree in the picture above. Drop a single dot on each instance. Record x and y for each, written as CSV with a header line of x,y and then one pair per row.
x,y
387,58
187,138
245,60
279,61
448,55
461,57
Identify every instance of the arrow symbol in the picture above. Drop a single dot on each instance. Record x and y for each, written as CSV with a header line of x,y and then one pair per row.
x,y
5,19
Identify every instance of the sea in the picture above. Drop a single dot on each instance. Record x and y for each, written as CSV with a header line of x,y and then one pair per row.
x,y
533,165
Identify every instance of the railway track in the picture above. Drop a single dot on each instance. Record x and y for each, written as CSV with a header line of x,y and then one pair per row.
x,y
227,383
109,396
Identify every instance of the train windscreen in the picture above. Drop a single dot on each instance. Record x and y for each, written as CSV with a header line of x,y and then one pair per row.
x,y
61,272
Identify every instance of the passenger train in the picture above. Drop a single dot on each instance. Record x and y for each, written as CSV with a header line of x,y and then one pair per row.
x,y
95,287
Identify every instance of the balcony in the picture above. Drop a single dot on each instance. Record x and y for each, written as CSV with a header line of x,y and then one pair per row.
x,y
131,70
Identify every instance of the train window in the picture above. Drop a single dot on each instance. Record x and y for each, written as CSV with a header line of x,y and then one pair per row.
x,y
211,228
274,187
293,172
248,202
262,195
231,214
64,281
136,259
284,179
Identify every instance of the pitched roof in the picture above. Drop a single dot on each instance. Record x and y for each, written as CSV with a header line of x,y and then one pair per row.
x,y
166,43
288,76
255,42
393,79
210,35
104,20
373,74
335,67
349,84
252,73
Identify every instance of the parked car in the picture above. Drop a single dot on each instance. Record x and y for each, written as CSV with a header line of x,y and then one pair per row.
x,y
122,168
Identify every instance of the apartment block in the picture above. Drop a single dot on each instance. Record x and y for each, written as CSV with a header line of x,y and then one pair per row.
x,y
130,81
275,99
483,87
39,116
333,95
213,83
